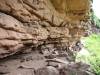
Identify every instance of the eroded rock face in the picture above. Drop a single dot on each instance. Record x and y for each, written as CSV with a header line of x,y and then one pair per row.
x,y
12,32
74,9
41,22
50,27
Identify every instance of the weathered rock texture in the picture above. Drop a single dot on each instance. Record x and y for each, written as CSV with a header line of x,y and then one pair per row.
x,y
41,22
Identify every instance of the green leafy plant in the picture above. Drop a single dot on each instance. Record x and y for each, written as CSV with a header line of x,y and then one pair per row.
x,y
92,45
95,19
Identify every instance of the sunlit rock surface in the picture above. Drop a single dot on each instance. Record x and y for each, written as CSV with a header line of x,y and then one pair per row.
x,y
41,21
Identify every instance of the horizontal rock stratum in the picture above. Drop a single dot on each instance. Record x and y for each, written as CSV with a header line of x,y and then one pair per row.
x,y
39,22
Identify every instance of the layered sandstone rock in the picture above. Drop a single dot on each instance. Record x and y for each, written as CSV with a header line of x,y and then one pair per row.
x,y
39,22
11,33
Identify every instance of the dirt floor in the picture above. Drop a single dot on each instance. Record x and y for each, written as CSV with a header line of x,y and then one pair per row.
x,y
36,62
23,64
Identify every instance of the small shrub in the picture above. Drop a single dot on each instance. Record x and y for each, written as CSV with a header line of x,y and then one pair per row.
x,y
92,44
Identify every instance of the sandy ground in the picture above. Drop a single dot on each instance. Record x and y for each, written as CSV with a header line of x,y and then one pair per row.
x,y
23,64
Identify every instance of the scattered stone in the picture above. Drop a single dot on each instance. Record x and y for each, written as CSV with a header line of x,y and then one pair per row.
x,y
49,70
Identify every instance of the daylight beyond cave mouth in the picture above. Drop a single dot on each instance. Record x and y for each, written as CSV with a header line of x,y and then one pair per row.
x,y
96,7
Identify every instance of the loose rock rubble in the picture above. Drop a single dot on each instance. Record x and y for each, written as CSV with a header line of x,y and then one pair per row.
x,y
35,63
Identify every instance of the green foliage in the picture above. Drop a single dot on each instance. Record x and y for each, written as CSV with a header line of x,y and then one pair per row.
x,y
95,19
92,44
